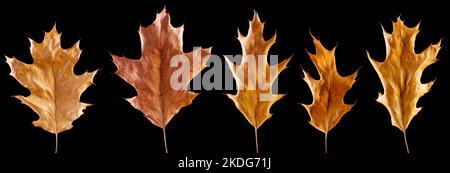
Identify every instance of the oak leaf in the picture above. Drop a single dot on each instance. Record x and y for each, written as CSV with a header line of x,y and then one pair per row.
x,y
260,77
151,75
400,74
55,89
328,92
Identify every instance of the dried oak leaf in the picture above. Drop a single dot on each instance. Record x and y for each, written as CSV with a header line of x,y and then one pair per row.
x,y
151,75
328,92
400,74
55,89
248,98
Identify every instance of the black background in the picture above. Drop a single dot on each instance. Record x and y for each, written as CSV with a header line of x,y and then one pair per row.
x,y
111,133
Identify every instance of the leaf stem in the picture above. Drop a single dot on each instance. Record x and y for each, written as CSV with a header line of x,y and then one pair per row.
x,y
56,142
256,140
165,139
406,142
326,143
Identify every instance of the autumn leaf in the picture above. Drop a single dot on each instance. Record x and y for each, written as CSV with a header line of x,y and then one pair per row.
x,y
55,89
400,74
328,92
151,75
254,96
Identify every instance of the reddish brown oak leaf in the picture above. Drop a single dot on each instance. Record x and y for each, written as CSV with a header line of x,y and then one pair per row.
x,y
152,75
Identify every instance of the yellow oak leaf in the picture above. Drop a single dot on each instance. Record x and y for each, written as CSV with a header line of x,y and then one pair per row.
x,y
400,74
254,97
328,92
152,75
55,89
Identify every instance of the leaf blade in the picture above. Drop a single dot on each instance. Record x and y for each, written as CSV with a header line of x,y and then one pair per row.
x,y
400,74
55,89
254,96
151,76
328,92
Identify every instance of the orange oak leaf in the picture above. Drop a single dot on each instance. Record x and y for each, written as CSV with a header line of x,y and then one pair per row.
x,y
400,74
55,89
254,97
153,73
328,92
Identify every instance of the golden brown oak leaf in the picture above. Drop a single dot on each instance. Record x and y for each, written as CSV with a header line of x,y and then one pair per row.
x,y
328,92
249,99
55,89
400,74
151,75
